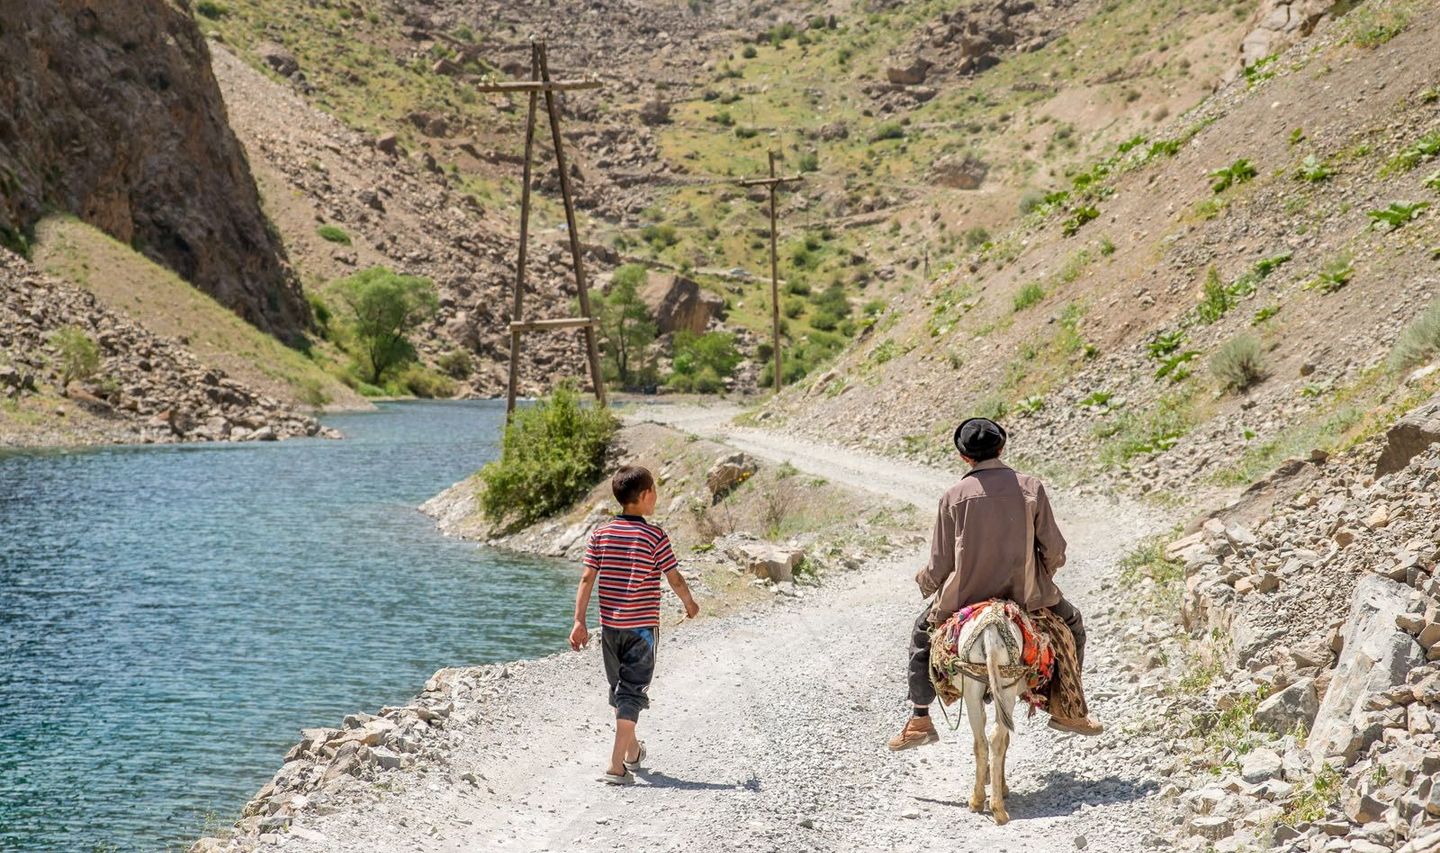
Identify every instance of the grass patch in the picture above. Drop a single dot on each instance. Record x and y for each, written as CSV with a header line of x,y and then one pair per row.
x,y
1028,296
333,234
1128,435
1371,26
1420,341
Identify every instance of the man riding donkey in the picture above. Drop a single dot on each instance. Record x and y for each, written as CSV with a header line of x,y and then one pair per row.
x,y
995,538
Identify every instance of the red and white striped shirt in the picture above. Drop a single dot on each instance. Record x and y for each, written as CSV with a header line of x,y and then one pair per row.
x,y
629,554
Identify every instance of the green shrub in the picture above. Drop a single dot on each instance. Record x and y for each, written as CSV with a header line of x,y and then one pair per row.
x,y
320,310
1239,172
1216,299
809,162
626,328
749,51
1239,363
1420,342
888,130
1029,295
422,382
1265,314
746,133
660,237
79,355
723,118
312,393
457,363
703,362
1369,26
212,10
1077,219
552,454
333,234
976,237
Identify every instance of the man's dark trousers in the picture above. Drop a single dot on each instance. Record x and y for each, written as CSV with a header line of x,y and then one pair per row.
x,y
922,692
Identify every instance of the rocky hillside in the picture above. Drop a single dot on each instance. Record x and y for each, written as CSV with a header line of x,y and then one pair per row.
x,y
1207,298
919,128
74,372
1307,674
110,112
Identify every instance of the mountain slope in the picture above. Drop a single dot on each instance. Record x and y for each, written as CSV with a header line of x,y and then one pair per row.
x,y
110,112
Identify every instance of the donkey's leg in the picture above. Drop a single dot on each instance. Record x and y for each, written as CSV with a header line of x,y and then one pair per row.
x,y
974,693
1000,742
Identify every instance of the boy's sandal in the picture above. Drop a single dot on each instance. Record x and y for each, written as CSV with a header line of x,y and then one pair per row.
x,y
639,758
626,778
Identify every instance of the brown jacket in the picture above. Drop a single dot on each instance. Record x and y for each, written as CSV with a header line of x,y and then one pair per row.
x,y
995,537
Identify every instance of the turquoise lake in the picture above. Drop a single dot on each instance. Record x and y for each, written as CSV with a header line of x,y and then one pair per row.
x,y
171,617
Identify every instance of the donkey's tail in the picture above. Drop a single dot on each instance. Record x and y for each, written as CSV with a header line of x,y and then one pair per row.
x,y
992,642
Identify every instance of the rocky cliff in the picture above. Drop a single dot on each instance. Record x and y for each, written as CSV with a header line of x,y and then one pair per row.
x,y
110,111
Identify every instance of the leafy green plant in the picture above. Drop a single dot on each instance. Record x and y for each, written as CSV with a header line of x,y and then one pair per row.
x,y
1098,400
552,454
702,363
1165,343
992,407
1030,405
809,162
79,355
1313,170
1239,363
1314,801
1175,366
1216,299
333,234
384,308
1420,341
1164,148
1396,215
1335,275
1426,147
1077,219
1433,182
1239,172
1261,70
1265,266
1029,295
1265,314
1158,428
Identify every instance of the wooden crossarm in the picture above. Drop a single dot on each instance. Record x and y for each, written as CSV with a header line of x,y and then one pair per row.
x,y
538,86
550,325
765,182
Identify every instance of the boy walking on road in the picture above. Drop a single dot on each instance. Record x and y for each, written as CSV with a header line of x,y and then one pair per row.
x,y
625,558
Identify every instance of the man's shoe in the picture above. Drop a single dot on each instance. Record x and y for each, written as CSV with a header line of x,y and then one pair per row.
x,y
1080,726
917,732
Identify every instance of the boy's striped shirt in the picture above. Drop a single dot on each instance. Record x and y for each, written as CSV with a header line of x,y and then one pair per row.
x,y
629,554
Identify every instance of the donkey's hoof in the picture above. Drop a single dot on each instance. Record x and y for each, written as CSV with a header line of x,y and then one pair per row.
x,y
977,803
1002,817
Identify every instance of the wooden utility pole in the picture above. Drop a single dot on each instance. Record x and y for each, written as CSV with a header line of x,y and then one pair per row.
x,y
772,183
538,83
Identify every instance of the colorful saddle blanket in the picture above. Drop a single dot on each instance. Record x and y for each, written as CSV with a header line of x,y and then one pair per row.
x,y
1037,654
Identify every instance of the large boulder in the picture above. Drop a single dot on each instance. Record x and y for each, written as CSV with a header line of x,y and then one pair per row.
x,y
766,561
908,71
961,172
680,305
1375,657
728,472
655,112
1295,705
1409,436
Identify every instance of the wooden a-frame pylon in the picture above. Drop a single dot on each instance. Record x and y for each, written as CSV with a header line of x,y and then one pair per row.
x,y
538,83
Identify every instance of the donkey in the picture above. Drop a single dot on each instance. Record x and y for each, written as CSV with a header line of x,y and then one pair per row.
x,y
990,640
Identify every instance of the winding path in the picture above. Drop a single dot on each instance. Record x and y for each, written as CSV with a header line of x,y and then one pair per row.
x,y
768,727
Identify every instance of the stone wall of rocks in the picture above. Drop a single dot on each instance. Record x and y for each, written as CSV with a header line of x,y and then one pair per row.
x,y
1326,617
146,389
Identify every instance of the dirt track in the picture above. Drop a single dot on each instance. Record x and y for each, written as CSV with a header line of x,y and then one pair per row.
x,y
768,727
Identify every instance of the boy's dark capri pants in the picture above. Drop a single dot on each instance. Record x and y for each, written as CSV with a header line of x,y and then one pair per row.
x,y
922,692
629,665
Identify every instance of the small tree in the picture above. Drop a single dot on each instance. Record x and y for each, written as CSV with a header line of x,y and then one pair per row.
x,y
626,327
79,356
385,307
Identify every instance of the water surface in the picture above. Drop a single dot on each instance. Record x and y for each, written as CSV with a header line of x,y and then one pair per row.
x,y
170,617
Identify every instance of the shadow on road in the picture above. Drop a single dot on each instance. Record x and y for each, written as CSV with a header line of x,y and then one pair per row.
x,y
1062,793
661,780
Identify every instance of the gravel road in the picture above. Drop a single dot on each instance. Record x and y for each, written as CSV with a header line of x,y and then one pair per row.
x,y
768,727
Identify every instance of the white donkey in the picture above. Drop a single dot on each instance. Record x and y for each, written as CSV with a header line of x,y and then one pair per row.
x,y
990,645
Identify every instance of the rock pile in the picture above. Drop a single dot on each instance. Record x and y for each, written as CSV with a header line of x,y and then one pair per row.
x,y
1329,611
145,388
330,767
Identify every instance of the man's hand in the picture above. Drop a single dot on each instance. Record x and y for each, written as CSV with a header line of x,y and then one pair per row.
x,y
579,636
692,609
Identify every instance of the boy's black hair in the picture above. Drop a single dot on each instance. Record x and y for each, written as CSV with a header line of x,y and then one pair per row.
x,y
630,482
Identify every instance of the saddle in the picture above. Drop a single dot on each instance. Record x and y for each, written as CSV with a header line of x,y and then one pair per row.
x,y
1048,664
